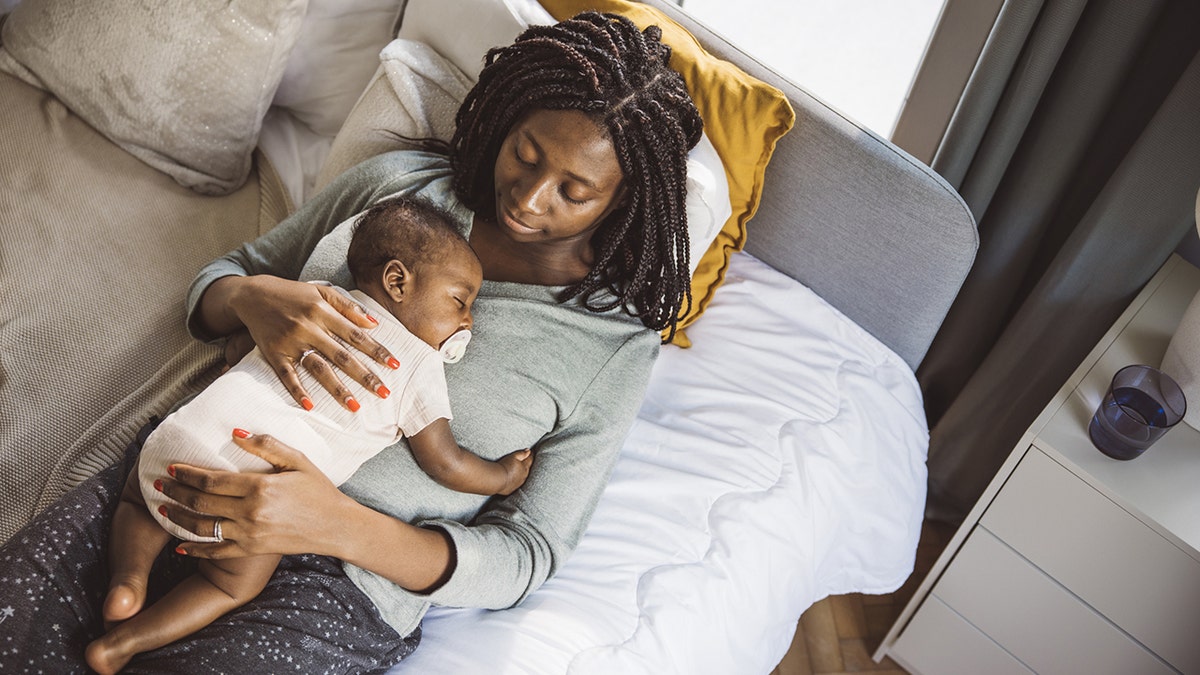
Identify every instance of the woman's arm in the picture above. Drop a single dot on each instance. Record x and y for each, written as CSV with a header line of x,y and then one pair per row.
x,y
297,509
507,551
252,287
513,545
283,251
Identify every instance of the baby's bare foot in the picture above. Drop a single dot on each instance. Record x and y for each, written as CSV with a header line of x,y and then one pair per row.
x,y
106,657
125,598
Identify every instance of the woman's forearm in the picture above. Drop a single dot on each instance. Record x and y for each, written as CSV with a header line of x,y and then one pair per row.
x,y
215,315
416,558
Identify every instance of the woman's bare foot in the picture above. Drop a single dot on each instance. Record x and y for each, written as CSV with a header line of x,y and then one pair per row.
x,y
125,598
106,655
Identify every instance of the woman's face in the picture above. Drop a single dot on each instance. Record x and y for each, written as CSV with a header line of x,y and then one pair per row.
x,y
557,178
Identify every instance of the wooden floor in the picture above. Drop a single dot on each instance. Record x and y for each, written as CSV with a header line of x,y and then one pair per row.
x,y
839,633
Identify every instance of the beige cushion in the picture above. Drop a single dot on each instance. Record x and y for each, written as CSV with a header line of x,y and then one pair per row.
x,y
182,85
414,94
98,251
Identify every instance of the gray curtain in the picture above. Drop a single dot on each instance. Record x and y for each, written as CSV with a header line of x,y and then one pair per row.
x,y
1077,147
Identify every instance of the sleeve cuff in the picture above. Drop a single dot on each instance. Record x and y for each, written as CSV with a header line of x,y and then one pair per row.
x,y
470,584
217,270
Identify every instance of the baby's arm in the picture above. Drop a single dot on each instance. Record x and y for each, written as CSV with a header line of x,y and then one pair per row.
x,y
440,456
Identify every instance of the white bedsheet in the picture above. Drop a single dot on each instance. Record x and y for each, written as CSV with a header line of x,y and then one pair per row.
x,y
779,460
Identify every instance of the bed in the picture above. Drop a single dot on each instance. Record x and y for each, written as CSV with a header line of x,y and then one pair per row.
x,y
777,460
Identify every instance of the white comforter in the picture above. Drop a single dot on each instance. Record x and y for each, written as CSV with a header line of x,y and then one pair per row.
x,y
779,460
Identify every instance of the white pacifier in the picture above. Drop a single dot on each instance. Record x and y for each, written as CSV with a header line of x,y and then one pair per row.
x,y
455,346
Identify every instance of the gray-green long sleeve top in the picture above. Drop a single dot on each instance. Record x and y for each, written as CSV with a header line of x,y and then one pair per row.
x,y
538,373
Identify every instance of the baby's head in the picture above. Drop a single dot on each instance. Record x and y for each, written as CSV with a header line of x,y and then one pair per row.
x,y
409,256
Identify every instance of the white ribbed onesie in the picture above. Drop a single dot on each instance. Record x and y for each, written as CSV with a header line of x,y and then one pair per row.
x,y
251,397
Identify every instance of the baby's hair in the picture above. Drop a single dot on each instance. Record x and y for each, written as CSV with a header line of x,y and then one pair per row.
x,y
413,231
606,67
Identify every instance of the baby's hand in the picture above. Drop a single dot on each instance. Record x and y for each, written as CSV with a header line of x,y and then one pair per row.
x,y
516,465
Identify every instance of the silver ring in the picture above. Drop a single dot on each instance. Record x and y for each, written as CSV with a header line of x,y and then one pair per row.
x,y
217,530
304,355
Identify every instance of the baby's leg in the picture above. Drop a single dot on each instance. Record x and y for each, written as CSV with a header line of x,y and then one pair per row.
x,y
134,543
218,587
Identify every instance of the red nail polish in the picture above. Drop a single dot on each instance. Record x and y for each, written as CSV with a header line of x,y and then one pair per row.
x,y
393,363
180,551
352,404
158,486
383,391
162,510
241,433
372,319
171,470
306,403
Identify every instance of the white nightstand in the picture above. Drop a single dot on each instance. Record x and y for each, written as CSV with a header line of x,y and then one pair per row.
x,y
1073,562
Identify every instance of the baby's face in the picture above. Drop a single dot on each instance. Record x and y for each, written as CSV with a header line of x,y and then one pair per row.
x,y
444,292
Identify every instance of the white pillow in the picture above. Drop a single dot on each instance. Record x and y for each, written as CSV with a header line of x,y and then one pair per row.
x,y
416,93
334,58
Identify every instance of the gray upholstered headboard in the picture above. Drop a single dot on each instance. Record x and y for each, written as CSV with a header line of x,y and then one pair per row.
x,y
873,231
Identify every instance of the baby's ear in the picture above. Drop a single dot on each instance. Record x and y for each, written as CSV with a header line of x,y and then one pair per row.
x,y
396,279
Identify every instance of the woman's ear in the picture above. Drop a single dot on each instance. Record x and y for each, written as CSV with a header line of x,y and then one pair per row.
x,y
396,279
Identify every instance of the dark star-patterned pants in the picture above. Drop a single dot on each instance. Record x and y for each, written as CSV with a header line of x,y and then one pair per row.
x,y
53,578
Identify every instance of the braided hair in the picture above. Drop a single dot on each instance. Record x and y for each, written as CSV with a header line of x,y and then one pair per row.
x,y
605,66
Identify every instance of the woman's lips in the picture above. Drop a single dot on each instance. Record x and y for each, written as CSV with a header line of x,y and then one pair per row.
x,y
514,224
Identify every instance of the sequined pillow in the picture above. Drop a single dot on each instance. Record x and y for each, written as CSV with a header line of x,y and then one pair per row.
x,y
182,85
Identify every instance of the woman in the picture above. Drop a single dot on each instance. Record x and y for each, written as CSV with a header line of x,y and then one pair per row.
x,y
567,174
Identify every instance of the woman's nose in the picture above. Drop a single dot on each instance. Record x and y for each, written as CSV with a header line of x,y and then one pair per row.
x,y
533,195
469,321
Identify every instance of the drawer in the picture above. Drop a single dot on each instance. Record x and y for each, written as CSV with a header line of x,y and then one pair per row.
x,y
1103,554
939,642
1035,619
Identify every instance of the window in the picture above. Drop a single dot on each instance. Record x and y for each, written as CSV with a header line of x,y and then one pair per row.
x,y
858,56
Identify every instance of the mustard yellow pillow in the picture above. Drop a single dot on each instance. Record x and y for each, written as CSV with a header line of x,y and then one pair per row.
x,y
743,117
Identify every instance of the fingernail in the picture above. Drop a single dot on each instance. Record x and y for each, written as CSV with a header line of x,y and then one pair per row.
x,y
162,510
352,404
171,470
158,486
180,551
241,433
383,391
371,318
307,403
393,363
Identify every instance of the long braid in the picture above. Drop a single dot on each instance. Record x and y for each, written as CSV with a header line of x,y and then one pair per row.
x,y
602,65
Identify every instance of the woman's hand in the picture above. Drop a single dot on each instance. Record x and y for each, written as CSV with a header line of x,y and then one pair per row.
x,y
295,323
295,509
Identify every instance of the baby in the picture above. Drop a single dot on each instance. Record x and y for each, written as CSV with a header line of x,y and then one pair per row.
x,y
409,262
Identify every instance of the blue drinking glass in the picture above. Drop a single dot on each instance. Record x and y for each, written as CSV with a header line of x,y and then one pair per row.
x,y
1141,405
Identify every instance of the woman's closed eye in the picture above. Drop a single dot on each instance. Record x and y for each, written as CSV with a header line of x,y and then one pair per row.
x,y
530,161
524,161
566,195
